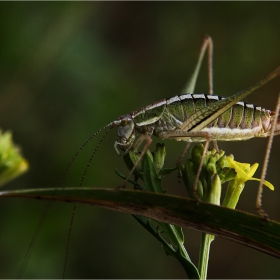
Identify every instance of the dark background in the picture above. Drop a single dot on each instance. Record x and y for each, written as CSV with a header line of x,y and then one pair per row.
x,y
67,69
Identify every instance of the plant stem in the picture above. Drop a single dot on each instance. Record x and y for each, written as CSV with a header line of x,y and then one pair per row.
x,y
233,193
206,240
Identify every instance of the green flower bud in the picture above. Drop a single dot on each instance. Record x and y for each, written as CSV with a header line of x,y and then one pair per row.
x,y
196,155
213,192
209,183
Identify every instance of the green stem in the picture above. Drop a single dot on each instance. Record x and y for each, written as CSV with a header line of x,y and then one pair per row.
x,y
184,252
206,240
233,193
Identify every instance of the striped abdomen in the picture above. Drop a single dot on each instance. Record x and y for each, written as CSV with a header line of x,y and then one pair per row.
x,y
241,121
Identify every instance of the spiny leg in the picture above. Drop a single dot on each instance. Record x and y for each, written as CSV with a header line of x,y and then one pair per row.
x,y
264,169
147,145
206,146
210,78
189,134
182,155
210,65
206,45
180,160
139,141
201,118
190,86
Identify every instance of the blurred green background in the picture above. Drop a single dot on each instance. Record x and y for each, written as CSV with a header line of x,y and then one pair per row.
x,y
67,69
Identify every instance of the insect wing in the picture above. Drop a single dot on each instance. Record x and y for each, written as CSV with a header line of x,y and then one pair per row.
x,y
204,116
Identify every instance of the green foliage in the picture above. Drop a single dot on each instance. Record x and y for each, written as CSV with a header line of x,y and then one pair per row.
x,y
150,171
12,164
216,170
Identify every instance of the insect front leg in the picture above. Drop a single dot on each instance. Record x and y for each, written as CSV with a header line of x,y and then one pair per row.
x,y
180,135
141,138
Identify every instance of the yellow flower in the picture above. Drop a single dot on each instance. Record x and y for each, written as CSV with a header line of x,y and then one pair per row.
x,y
245,172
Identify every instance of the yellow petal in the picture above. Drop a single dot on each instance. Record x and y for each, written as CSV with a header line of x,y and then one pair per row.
x,y
266,183
243,170
244,166
253,169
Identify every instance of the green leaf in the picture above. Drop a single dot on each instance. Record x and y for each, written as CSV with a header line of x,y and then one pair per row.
x,y
241,227
166,171
179,253
175,233
170,236
136,184
152,182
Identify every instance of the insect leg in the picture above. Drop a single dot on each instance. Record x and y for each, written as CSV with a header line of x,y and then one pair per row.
x,y
189,88
140,139
183,154
149,141
269,144
188,134
210,76
207,44
206,146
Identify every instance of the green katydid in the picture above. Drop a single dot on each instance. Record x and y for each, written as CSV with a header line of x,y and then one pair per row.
x,y
192,118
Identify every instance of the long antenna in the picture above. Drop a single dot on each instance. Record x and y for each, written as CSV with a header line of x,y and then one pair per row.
x,y
111,125
24,263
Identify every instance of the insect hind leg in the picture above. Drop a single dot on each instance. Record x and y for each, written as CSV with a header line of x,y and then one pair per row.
x,y
264,169
208,46
190,86
185,134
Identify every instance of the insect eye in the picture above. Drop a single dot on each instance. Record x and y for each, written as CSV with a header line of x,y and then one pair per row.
x,y
124,122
